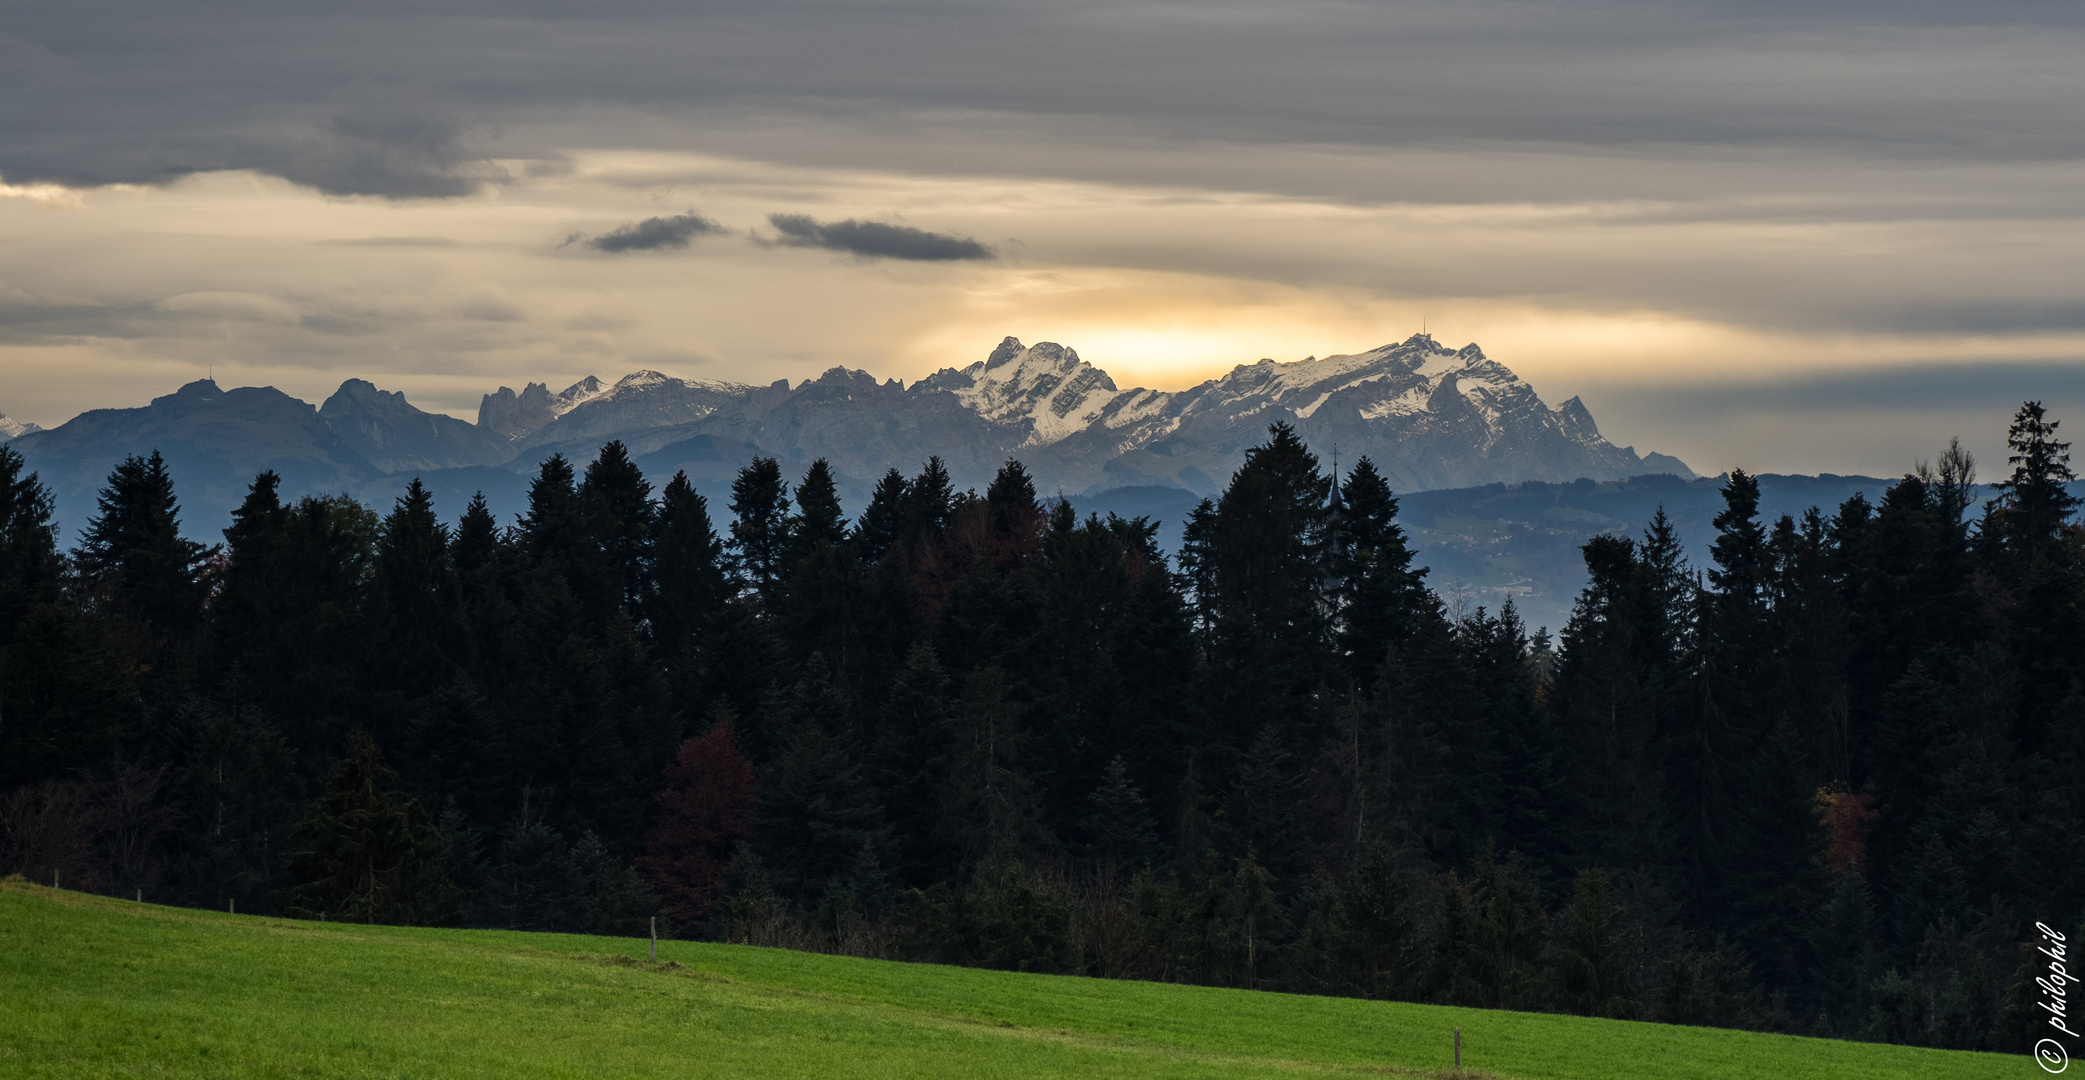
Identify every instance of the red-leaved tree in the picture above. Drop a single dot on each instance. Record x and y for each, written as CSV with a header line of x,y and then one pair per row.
x,y
704,812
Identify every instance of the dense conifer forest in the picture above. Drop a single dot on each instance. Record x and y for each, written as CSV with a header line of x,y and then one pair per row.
x,y
1826,783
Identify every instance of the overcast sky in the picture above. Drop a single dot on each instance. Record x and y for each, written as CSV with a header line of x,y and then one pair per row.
x,y
1784,236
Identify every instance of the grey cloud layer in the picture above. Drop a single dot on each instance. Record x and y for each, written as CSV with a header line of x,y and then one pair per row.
x,y
875,240
415,100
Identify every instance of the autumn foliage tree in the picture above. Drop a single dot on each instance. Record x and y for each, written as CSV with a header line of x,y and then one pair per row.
x,y
704,811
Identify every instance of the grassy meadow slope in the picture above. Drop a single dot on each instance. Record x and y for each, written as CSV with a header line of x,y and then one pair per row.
x,y
91,986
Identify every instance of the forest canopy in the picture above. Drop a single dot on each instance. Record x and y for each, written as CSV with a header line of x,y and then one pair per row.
x,y
1825,783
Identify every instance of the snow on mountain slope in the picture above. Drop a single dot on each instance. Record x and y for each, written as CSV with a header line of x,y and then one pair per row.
x,y
1045,387
518,416
640,401
1429,416
13,428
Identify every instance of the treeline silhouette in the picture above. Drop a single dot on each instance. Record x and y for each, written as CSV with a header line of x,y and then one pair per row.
x,y
1825,784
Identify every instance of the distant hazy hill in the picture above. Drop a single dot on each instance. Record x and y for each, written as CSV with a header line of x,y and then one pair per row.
x,y
1430,417
214,442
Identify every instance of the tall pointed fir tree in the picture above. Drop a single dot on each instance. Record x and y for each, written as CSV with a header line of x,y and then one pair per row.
x,y
553,533
417,628
882,525
760,527
1258,562
817,605
689,585
142,575
63,704
2024,522
1381,597
1713,738
621,518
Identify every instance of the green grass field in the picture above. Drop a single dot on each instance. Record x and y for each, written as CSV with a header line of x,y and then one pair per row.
x,y
91,986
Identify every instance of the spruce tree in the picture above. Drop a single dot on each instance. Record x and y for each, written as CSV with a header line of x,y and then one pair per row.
x,y
688,573
368,853
456,755
476,541
62,703
1255,923
817,809
616,501
1713,740
1524,781
534,882
322,629
554,533
1260,570
817,605
1119,828
1592,962
909,761
883,525
417,624
819,520
2033,504
143,575
760,526
1380,595
238,783
1607,702
989,810
1267,805
31,570
2034,546
1016,518
1363,939
930,500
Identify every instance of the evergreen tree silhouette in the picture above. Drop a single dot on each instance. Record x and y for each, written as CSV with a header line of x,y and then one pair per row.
x,y
368,853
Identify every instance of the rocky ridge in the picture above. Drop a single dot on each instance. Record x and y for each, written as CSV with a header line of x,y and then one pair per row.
x,y
1428,415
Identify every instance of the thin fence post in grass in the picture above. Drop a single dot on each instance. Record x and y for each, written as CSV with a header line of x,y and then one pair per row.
x,y
231,906
141,895
54,878
1458,1049
655,939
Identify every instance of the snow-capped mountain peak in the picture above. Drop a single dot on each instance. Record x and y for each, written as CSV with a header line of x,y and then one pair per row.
x,y
1044,385
1429,416
14,429
581,392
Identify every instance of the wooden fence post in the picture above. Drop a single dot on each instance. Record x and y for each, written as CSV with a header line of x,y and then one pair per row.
x,y
1458,1049
655,939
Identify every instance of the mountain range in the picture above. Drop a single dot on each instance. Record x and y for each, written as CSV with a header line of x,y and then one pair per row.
x,y
1430,416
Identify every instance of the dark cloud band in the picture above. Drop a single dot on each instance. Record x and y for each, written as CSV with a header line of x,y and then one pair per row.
x,y
656,234
876,240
